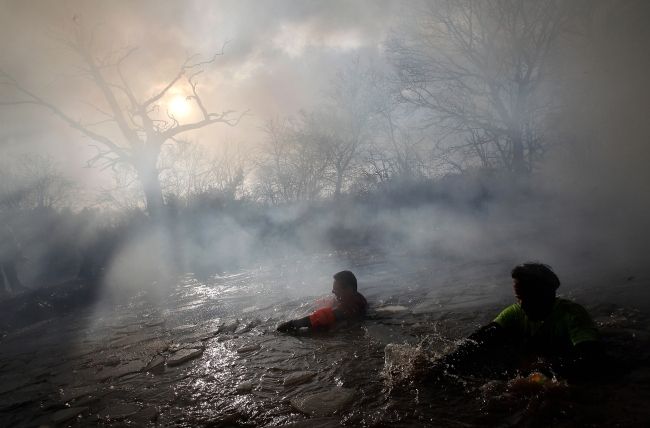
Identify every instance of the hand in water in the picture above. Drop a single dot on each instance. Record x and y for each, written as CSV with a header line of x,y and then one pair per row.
x,y
287,327
538,366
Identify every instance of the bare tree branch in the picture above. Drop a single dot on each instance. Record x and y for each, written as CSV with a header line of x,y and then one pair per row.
x,y
143,131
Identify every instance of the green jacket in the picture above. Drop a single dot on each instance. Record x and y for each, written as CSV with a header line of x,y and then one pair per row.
x,y
567,325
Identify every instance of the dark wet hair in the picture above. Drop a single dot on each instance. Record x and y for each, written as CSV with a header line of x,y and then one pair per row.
x,y
346,278
534,277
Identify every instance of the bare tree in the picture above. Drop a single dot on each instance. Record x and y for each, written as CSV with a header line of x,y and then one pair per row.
x,y
140,130
346,122
327,148
189,170
397,150
33,181
230,168
293,163
275,176
124,193
477,68
14,191
48,186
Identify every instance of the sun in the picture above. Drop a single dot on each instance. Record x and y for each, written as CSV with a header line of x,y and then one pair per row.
x,y
179,106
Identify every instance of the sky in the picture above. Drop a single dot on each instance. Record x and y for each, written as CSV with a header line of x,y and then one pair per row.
x,y
278,57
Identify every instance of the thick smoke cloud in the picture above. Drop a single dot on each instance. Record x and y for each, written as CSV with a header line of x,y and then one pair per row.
x,y
589,199
598,167
258,71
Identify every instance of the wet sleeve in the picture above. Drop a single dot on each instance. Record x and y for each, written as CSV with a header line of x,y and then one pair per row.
x,y
580,325
489,334
322,318
510,317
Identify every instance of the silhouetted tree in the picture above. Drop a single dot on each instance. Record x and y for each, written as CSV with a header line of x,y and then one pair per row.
x,y
141,130
477,69
190,170
346,120
293,163
33,181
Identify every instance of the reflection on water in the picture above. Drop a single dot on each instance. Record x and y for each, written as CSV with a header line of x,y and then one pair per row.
x,y
206,354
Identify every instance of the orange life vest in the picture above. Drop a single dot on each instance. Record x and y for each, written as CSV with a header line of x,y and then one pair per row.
x,y
352,308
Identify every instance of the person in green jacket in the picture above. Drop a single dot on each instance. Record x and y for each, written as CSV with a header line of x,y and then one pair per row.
x,y
547,331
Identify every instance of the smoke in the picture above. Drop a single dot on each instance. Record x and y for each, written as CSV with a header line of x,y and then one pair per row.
x,y
598,171
587,204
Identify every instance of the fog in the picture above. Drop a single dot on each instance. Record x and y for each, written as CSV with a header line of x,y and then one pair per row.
x,y
316,94
144,143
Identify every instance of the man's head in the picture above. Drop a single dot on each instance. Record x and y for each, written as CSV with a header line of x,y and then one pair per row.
x,y
535,285
345,284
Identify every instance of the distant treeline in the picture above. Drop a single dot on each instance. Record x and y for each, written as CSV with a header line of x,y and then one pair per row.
x,y
215,231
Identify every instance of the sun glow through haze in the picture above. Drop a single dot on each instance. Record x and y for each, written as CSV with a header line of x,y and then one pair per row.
x,y
179,106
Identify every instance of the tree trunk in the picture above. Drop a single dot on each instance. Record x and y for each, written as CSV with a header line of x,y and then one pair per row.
x,y
518,160
339,184
149,179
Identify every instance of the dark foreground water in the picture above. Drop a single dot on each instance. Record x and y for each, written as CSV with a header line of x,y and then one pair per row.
x,y
205,352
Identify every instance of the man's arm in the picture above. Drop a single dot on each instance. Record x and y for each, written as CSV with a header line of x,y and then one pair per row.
x,y
489,335
322,318
294,325
466,356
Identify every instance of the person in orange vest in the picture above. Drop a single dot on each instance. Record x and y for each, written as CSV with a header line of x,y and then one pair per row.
x,y
349,305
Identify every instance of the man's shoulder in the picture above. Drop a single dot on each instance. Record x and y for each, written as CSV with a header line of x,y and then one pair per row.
x,y
353,306
356,299
361,302
569,307
514,308
579,323
510,314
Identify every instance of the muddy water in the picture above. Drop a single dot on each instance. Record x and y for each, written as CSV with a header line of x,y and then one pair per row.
x,y
203,352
